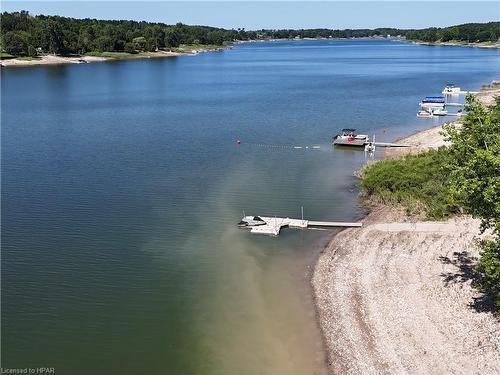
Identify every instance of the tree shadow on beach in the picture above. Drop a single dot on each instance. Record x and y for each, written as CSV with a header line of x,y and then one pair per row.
x,y
465,263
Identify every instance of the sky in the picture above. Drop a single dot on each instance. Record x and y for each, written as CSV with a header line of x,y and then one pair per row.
x,y
253,15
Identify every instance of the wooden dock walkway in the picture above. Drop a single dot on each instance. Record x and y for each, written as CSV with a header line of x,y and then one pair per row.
x,y
274,224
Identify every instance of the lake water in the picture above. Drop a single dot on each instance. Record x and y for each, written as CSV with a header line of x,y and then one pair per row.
x,y
122,184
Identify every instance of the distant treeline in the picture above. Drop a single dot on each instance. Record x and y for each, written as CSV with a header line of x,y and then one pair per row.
x,y
22,34
469,32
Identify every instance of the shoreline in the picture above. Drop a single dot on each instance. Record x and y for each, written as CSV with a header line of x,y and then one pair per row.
x,y
488,45
394,297
59,60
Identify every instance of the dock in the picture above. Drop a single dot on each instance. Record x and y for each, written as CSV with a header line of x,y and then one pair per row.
x,y
387,144
274,224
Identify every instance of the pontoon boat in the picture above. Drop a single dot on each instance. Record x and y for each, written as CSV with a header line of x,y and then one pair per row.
x,y
433,102
349,138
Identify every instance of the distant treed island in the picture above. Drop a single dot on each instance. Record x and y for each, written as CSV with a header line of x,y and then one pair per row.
x,y
22,34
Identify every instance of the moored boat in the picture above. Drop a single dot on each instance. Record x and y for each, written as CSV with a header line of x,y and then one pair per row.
x,y
424,114
439,112
451,89
433,102
251,221
349,138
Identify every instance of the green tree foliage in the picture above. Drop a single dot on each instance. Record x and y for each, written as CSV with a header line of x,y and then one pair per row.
x,y
475,162
16,43
172,38
53,37
475,180
23,34
489,268
469,32
215,37
86,36
139,43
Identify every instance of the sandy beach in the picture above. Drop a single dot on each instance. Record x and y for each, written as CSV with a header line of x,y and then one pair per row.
x,y
459,44
395,296
56,60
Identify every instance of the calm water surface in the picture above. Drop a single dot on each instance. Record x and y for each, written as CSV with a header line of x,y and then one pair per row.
x,y
122,184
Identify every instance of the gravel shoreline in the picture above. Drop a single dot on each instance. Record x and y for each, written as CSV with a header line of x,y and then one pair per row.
x,y
395,296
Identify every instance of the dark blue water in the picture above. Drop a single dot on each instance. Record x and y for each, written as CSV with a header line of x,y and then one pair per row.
x,y
122,184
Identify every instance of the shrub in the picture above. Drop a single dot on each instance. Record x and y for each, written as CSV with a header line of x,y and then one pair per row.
x,y
418,182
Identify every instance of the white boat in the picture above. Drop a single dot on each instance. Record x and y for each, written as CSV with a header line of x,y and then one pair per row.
x,y
451,89
349,138
433,102
251,221
439,112
424,113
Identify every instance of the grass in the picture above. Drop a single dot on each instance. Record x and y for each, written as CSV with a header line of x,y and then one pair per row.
x,y
190,47
28,58
5,55
183,48
113,55
417,182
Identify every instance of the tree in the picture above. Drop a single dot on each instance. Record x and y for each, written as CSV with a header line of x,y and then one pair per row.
x,y
32,51
86,37
489,268
430,35
475,180
447,35
158,35
139,43
172,37
130,47
475,165
54,37
215,37
484,36
15,43
104,44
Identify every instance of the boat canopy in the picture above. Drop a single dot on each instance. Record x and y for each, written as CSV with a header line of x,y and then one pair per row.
x,y
433,99
348,130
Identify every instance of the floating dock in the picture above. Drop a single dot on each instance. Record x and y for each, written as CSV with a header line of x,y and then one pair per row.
x,y
274,224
